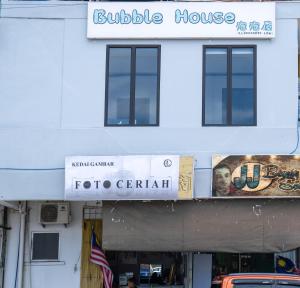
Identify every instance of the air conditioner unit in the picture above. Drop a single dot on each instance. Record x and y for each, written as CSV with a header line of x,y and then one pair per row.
x,y
54,213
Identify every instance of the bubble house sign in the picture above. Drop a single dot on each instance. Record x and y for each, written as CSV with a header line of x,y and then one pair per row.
x,y
157,20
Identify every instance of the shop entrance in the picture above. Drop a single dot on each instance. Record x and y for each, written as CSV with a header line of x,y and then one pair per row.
x,y
147,269
226,263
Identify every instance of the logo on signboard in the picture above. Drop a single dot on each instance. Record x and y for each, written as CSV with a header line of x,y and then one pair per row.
x,y
264,176
168,163
250,177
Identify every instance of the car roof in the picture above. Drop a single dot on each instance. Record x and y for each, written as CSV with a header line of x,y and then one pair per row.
x,y
260,276
265,274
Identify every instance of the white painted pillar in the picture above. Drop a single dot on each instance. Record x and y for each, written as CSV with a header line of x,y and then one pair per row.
x,y
202,269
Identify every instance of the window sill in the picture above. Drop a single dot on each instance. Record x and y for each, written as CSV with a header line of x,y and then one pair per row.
x,y
44,263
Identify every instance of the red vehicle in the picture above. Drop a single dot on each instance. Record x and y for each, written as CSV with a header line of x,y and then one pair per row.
x,y
261,280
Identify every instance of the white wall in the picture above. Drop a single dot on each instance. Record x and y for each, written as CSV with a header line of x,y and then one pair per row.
x,y
53,89
39,275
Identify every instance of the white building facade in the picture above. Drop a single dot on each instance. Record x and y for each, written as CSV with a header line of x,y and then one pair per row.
x,y
138,91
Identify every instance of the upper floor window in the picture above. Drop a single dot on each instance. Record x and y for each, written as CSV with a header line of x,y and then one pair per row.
x,y
229,86
132,86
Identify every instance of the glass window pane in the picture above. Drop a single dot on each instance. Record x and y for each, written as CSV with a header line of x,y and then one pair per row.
x,y
45,246
242,86
146,86
118,110
215,86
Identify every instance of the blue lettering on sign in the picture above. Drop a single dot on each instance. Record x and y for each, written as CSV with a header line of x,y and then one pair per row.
x,y
181,16
254,28
241,26
204,18
218,17
229,18
124,17
101,17
136,17
267,26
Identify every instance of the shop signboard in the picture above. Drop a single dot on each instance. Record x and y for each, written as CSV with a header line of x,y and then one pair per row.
x,y
146,177
180,20
256,175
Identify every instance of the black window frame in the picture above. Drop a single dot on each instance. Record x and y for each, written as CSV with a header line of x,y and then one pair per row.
x,y
229,85
132,85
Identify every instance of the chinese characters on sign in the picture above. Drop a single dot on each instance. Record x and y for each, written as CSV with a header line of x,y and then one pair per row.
x,y
256,175
254,28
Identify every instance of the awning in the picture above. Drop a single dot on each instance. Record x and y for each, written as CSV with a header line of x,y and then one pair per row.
x,y
235,225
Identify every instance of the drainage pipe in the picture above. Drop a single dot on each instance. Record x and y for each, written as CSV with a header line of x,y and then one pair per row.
x,y
3,248
22,211
21,208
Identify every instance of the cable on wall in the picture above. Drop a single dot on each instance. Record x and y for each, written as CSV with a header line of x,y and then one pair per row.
x,y
17,266
30,169
60,168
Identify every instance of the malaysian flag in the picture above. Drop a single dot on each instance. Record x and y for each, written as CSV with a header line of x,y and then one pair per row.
x,y
98,257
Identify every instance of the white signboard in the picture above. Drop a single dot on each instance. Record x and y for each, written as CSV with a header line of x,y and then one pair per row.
x,y
157,20
122,177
